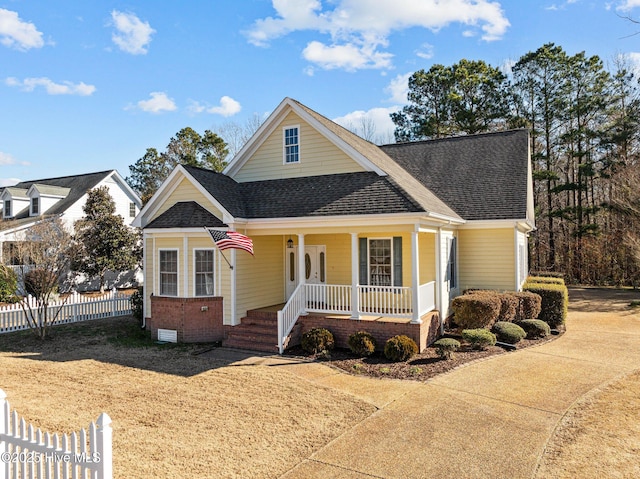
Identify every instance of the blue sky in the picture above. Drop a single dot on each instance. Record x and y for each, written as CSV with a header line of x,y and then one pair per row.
x,y
90,85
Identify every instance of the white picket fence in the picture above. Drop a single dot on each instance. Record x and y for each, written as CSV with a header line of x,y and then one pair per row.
x,y
28,453
75,308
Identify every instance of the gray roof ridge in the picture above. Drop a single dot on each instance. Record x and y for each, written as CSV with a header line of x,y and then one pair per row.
x,y
455,137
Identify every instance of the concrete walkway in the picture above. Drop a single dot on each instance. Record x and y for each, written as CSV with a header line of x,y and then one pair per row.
x,y
490,419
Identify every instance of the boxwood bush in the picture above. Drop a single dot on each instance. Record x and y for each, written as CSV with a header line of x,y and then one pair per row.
x,y
445,347
529,305
545,279
554,302
362,343
535,328
400,348
8,284
479,309
479,338
317,340
509,333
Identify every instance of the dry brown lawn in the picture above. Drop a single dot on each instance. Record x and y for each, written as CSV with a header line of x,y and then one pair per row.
x,y
175,414
599,437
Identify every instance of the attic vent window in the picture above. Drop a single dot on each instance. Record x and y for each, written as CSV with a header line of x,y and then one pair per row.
x,y
35,206
7,208
291,145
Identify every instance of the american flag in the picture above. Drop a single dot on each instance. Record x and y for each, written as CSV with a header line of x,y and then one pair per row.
x,y
231,239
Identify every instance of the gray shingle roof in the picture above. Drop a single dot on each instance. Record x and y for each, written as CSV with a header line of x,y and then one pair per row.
x,y
186,214
78,185
482,177
325,195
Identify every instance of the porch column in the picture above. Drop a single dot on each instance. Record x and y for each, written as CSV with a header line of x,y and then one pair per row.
x,y
355,277
438,291
415,279
302,271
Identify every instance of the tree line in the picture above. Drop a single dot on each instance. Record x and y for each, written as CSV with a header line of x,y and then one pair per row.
x,y
584,121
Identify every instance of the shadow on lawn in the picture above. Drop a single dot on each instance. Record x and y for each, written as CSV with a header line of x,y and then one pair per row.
x,y
117,341
603,300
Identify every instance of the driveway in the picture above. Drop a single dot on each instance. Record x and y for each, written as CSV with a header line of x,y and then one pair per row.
x,y
489,419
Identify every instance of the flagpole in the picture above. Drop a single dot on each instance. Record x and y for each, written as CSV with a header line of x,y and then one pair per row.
x,y
225,258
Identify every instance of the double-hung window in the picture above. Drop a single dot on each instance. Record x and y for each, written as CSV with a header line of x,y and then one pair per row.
x,y
291,145
132,210
380,262
7,208
35,205
169,272
452,246
204,271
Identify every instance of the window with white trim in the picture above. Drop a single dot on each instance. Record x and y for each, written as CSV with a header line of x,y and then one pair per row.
x,y
7,208
291,142
380,262
132,210
204,272
168,268
35,205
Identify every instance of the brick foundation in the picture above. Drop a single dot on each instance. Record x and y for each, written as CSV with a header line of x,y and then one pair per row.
x,y
423,334
186,316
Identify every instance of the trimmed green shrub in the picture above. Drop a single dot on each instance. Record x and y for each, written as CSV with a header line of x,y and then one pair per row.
x,y
555,302
317,340
547,274
529,305
535,328
445,347
545,280
8,284
509,333
479,309
479,338
137,302
400,348
362,343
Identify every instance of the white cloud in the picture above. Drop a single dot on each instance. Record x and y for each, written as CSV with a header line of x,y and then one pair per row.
x,y
425,52
631,61
9,182
132,35
6,159
360,29
18,34
374,125
228,107
349,57
158,103
52,88
627,5
398,88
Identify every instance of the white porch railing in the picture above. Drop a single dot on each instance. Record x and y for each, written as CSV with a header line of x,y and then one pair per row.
x,y
289,314
74,309
391,301
28,453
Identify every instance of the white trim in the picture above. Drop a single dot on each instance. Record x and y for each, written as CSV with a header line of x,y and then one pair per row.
x,y
415,279
159,272
213,271
487,224
185,273
284,145
234,319
355,276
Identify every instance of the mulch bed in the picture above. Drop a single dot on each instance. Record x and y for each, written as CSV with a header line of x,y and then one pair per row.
x,y
421,367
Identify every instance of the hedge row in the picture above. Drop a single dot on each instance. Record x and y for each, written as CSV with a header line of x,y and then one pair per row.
x,y
482,308
555,301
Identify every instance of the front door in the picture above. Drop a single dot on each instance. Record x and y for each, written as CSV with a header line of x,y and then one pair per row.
x,y
314,265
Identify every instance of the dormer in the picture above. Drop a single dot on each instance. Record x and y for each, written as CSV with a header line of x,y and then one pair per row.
x,y
14,200
43,197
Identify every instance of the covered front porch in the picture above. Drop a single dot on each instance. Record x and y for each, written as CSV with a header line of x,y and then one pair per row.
x,y
395,272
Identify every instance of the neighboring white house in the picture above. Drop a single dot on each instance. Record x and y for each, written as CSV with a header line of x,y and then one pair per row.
x,y
27,202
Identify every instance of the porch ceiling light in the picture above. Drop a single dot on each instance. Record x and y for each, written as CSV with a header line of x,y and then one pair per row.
x,y
290,243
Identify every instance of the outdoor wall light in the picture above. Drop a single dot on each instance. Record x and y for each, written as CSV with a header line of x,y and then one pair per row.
x,y
290,243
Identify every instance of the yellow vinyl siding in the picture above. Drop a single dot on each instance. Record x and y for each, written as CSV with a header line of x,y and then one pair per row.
x,y
260,278
186,191
318,156
338,260
486,259
427,255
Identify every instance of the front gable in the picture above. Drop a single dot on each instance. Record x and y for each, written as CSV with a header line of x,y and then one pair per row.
x,y
180,188
321,152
